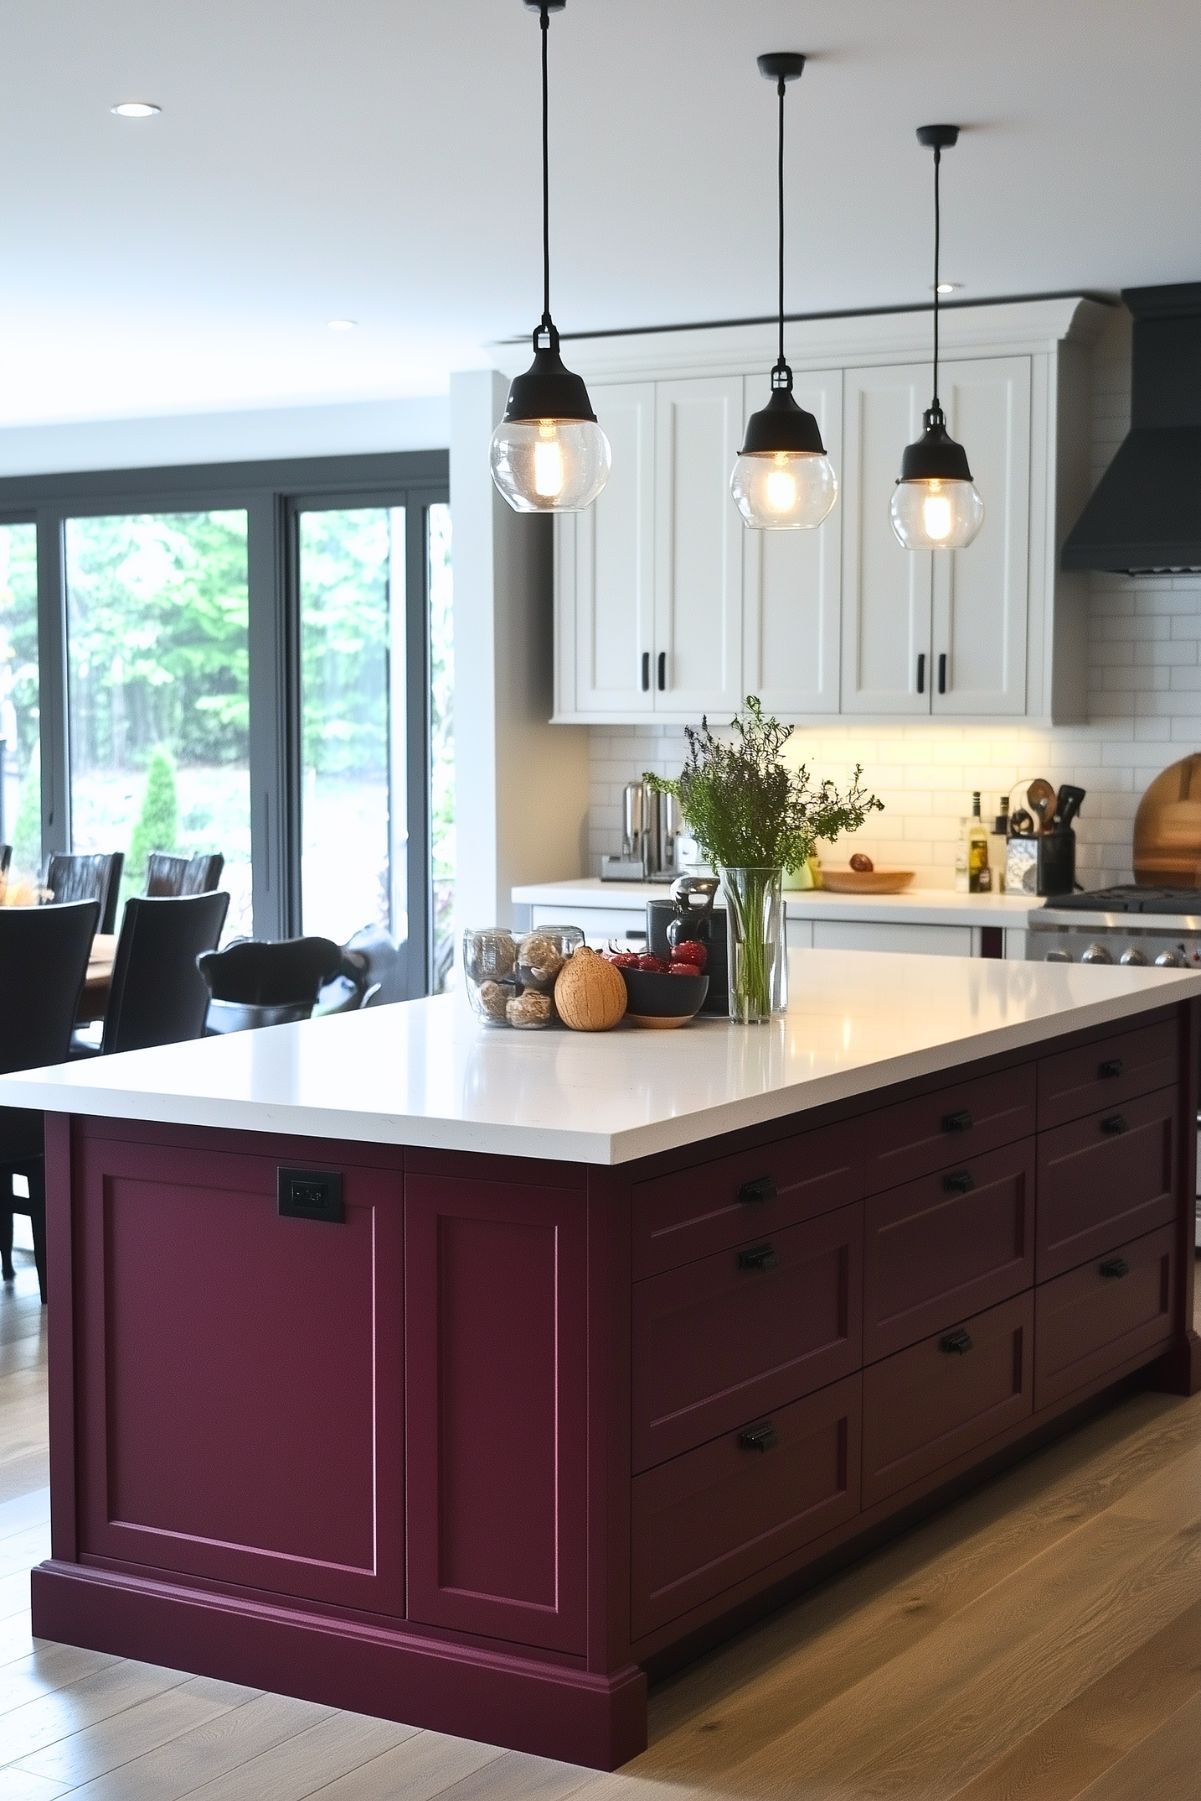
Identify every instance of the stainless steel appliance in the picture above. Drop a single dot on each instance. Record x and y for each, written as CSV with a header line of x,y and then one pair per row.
x,y
1151,928
650,837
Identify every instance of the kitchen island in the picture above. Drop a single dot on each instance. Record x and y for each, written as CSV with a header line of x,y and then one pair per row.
x,y
464,1376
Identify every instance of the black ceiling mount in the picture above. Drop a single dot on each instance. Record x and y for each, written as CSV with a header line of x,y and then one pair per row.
x,y
550,6
938,137
781,65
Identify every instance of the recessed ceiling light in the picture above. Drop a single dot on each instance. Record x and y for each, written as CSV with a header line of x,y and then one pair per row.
x,y
950,287
341,324
135,109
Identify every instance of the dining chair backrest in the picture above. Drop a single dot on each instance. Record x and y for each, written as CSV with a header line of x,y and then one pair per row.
x,y
6,857
98,878
170,876
259,973
43,961
157,994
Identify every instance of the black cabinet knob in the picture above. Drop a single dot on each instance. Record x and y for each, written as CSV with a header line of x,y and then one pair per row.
x,y
957,1122
758,1438
1113,1066
760,1188
959,1181
1114,1268
1115,1124
956,1344
759,1256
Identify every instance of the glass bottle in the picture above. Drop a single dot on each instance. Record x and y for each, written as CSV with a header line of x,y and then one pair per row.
x,y
979,875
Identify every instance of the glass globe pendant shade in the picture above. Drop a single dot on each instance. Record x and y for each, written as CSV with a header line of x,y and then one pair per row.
x,y
549,455
781,491
935,505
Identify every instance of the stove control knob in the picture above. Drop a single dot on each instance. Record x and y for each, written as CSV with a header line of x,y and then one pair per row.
x,y
1059,957
1097,953
1133,958
1169,960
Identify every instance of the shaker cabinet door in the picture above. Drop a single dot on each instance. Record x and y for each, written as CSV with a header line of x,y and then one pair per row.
x,y
792,581
885,589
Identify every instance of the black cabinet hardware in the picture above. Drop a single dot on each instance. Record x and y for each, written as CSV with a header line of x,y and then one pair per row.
x,y
959,1181
314,1194
759,1256
1114,1268
942,672
758,1438
1115,1124
646,671
921,672
1113,1066
760,1188
662,670
957,1122
956,1344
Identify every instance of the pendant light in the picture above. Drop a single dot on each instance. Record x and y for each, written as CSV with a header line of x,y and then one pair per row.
x,y
783,480
549,455
935,505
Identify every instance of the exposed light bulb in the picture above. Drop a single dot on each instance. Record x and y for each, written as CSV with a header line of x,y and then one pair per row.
x,y
548,462
783,490
936,513
780,487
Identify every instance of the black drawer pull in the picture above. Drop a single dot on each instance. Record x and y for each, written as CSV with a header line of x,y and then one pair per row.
x,y
1115,1124
1113,1066
1114,1268
957,1122
758,1438
646,672
760,1256
957,1343
761,1188
959,1181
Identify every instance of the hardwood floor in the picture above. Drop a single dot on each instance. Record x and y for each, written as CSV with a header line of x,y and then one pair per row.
x,y
1039,1641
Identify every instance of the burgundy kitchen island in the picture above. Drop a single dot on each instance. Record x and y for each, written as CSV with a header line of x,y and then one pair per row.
x,y
462,1376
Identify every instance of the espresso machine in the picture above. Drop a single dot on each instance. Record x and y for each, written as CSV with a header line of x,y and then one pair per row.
x,y
650,837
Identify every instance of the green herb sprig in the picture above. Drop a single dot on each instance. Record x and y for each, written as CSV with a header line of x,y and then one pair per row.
x,y
748,810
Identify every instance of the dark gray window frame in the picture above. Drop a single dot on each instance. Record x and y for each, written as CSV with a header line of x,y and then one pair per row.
x,y
269,491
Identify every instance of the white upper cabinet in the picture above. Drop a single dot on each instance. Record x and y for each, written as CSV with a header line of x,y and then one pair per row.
x,y
667,607
792,581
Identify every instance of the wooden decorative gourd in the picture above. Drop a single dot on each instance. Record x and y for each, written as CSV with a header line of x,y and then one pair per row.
x,y
590,995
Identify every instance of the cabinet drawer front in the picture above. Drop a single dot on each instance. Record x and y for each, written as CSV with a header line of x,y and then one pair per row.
x,y
750,1329
950,1244
706,1521
935,1130
1112,1175
1107,1071
929,1404
682,1217
1099,1316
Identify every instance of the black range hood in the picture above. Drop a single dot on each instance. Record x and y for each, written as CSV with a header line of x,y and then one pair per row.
x,y
1145,517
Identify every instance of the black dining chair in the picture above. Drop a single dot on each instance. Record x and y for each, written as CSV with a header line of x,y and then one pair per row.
x,y
6,857
157,995
76,878
43,962
169,876
254,982
372,973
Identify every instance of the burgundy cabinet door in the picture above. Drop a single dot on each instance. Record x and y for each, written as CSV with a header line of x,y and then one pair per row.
x,y
752,1328
1104,1178
706,1521
497,1314
947,1245
940,1129
1114,1308
1106,1071
929,1405
240,1375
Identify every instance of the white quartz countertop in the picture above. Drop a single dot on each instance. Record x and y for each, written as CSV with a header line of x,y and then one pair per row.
x,y
429,1073
916,906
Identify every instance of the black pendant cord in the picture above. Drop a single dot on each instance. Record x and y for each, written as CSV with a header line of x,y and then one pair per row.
x,y
937,245
781,89
544,20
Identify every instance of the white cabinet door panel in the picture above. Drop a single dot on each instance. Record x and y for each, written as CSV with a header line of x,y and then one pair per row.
x,y
792,581
698,548
981,594
886,590
613,556
930,941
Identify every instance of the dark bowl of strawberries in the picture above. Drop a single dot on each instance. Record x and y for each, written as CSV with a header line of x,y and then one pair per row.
x,y
660,993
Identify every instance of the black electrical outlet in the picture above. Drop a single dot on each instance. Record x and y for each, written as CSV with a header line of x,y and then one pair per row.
x,y
310,1194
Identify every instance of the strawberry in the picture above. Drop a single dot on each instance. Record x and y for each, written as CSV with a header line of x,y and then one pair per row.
x,y
682,969
655,965
691,951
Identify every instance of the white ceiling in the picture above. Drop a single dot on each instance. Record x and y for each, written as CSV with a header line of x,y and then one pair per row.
x,y
377,159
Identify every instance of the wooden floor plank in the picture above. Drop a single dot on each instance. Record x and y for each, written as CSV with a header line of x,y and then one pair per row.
x,y
312,1761
118,1686
1164,1767
48,1667
82,1756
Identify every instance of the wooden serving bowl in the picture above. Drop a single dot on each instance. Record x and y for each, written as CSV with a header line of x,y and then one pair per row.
x,y
866,881
663,1000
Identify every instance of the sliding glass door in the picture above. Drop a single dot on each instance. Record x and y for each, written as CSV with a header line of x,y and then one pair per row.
x,y
20,697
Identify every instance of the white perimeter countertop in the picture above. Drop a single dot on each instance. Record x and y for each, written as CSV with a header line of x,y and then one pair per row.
x,y
429,1073
916,906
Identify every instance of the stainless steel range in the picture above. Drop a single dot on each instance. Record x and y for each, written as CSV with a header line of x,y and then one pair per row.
x,y
1155,928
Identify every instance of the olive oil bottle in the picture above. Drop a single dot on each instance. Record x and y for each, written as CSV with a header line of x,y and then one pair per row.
x,y
979,875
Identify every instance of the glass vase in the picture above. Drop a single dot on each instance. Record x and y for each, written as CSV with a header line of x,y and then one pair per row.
x,y
757,955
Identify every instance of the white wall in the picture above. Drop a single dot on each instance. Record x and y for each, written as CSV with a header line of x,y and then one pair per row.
x,y
356,429
1144,680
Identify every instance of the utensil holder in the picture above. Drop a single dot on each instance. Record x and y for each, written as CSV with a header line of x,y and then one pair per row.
x,y
1056,865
